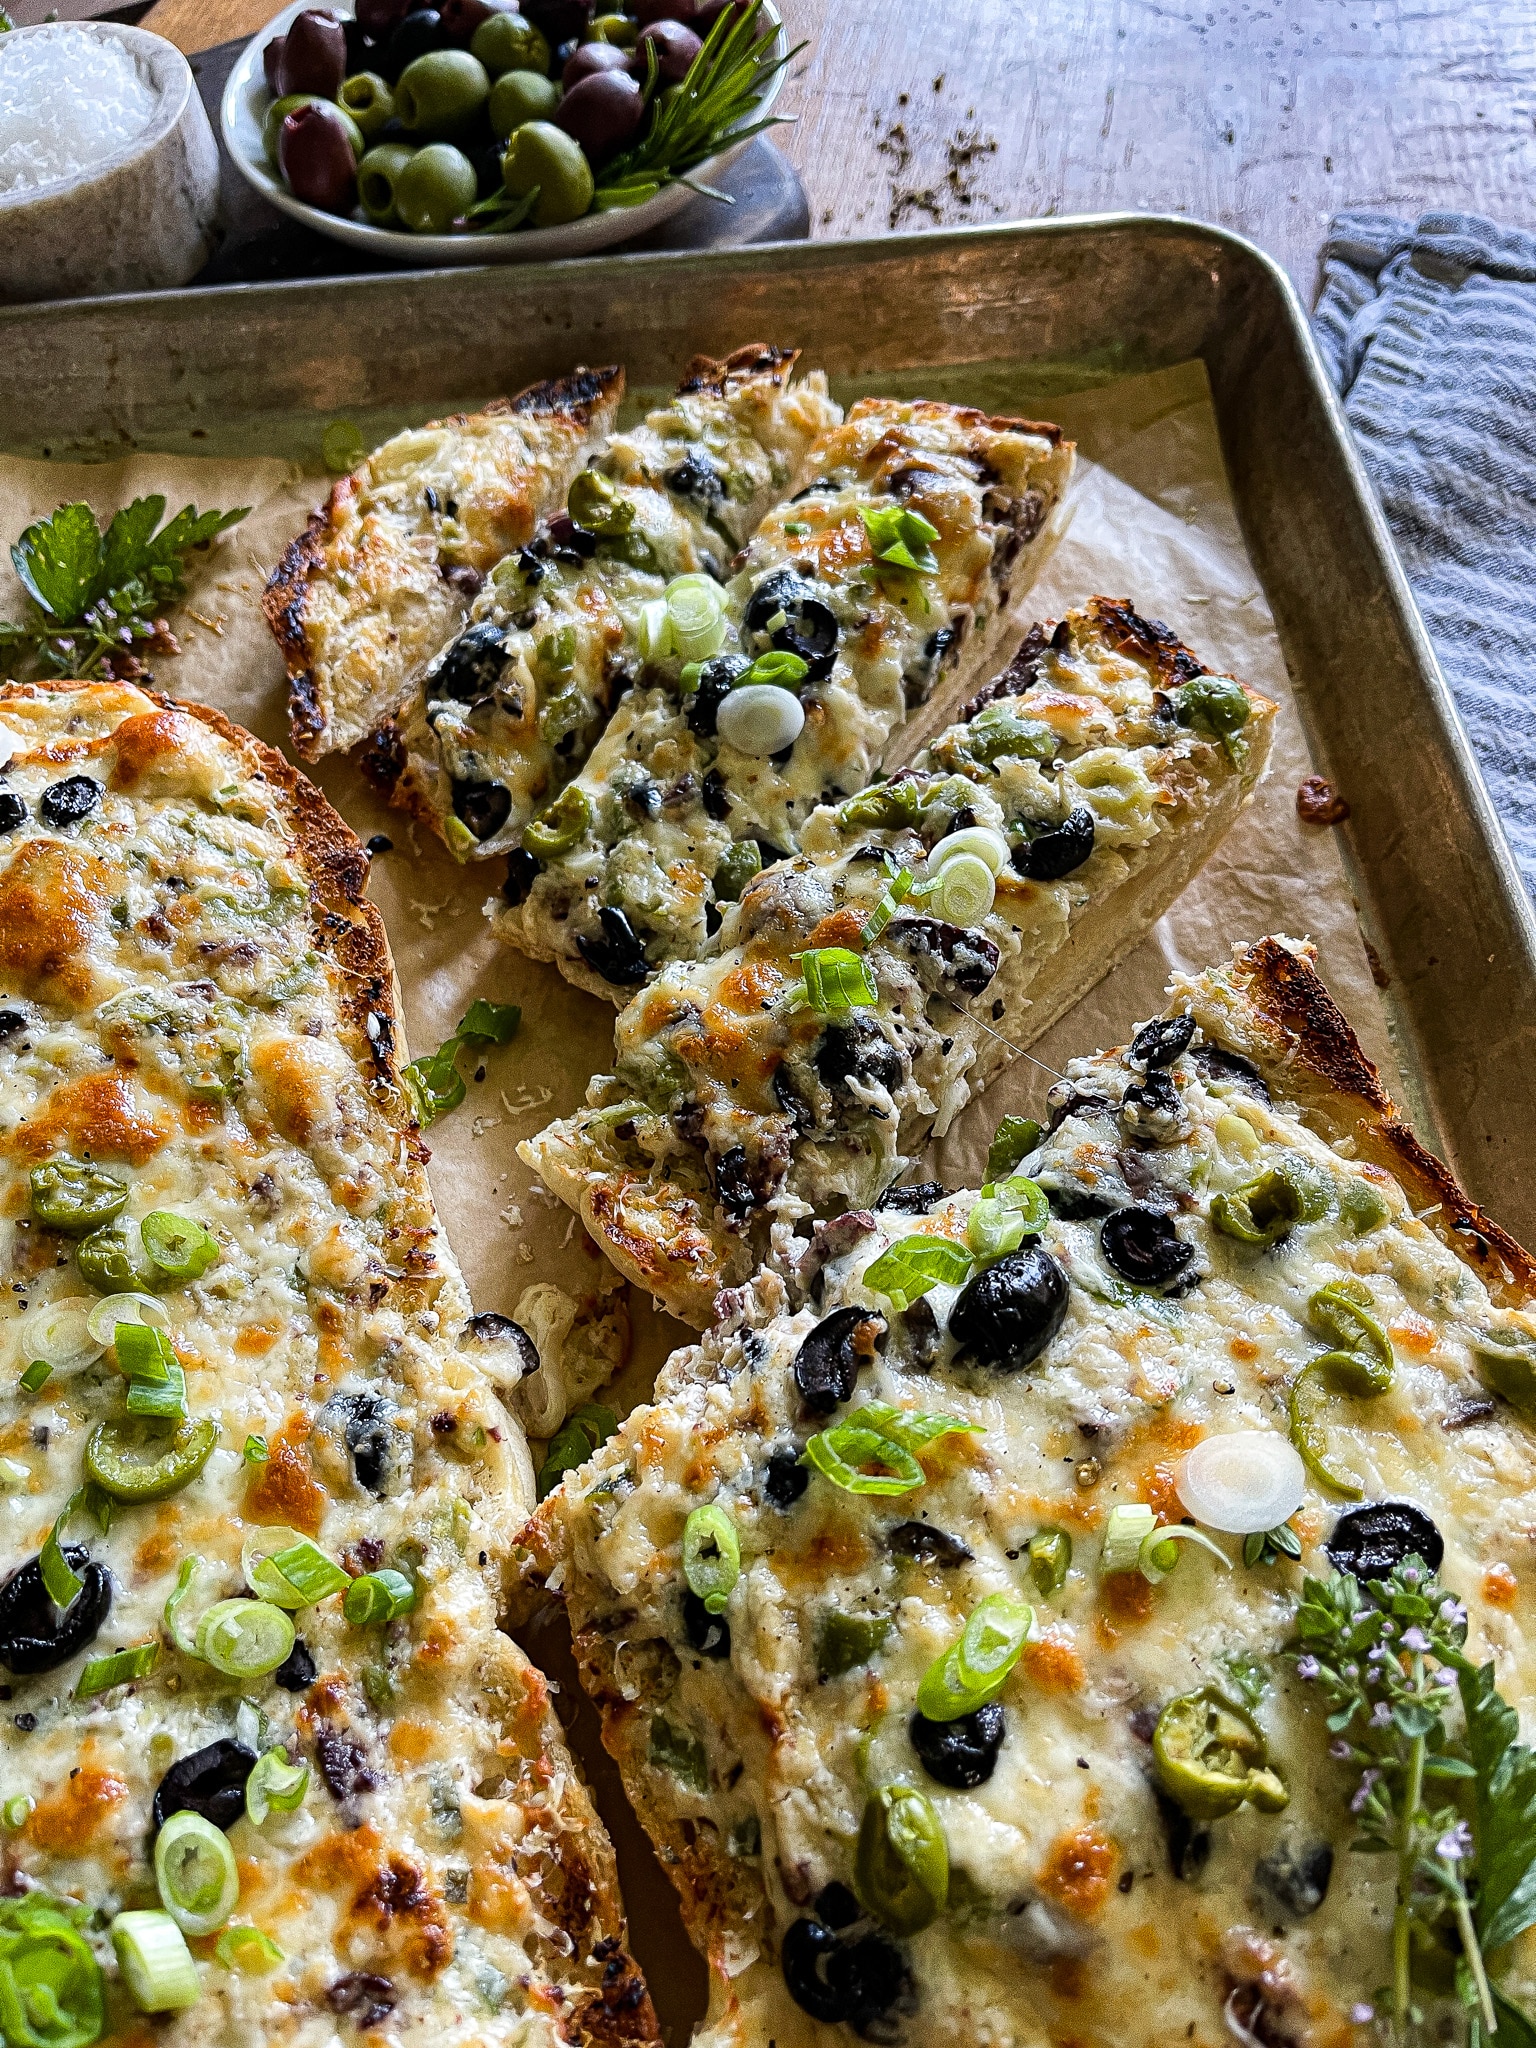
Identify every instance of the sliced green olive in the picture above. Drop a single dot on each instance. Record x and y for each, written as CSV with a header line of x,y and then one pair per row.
x,y
845,1641
76,1198
1214,706
901,1867
596,506
1363,1207
178,1247
1261,1211
139,1462
1507,1359
1339,1311
888,803
738,864
1210,1755
113,1261
559,825
1311,1396
1050,1559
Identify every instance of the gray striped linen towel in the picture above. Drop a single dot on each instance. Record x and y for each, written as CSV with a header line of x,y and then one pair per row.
x,y
1429,331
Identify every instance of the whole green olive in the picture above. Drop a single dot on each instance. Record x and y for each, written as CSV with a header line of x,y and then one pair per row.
x,y
519,96
434,188
543,155
278,112
376,176
439,95
620,29
508,43
368,100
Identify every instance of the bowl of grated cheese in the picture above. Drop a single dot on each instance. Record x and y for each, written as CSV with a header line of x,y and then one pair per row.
x,y
109,173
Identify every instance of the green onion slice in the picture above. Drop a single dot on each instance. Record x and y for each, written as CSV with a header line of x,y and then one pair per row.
x,y
196,1872
907,1269
123,1666
913,1428
248,1950
142,1353
887,907
1125,1532
711,1555
276,1785
35,1376
901,537
15,1812
284,1567
185,1642
167,1402
257,1450
1014,1139
695,608
963,890
1159,1551
244,1638
60,1333
156,1963
992,1229
58,1576
837,981
178,1247
843,1454
487,1023
778,666
113,1310
377,1597
974,1670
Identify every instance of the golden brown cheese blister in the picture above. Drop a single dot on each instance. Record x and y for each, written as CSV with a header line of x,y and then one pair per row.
x,y
198,1025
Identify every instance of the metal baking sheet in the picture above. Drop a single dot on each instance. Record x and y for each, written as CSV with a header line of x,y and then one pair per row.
x,y
1053,305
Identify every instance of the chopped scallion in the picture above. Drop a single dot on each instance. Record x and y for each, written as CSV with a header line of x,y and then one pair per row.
x,y
244,1638
142,1353
257,1451
167,1401
711,1555
35,1375
378,1597
248,1950
907,1269
276,1785
196,1872
836,981
156,1963
121,1668
1126,1530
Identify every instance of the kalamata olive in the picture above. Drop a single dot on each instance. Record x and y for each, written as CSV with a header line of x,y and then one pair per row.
x,y
602,113
483,806
13,811
298,1670
857,1051
619,955
491,1328
379,19
953,953
272,123
1217,1065
916,1200
591,58
472,666
559,21
344,1767
785,1478
925,1544
1059,852
647,11
828,1361
1296,1874
34,1635
839,1977
461,18
522,873
1160,1043
517,97
413,36
1143,1247
315,157
810,625
715,680
1007,1314
733,1183
675,47
365,1422
271,65
710,1634
960,1753
539,153
696,477
508,43
314,55
364,1997
209,1782
11,1021
1372,1540
67,802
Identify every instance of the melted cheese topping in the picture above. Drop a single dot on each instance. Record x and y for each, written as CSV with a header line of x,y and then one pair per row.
x,y
1065,1918
173,1010
667,802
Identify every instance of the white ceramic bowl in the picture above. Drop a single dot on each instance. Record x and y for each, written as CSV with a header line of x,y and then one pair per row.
x,y
246,100
140,220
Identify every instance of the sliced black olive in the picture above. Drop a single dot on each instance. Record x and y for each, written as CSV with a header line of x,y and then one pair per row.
x,y
298,1670
570,542
344,1767
962,1753
733,1183
857,1051
483,806
1071,1103
1156,1096
210,1782
1372,1540
920,1540
365,1421
916,1200
717,804
472,666
13,811
1159,1043
790,1100
1060,852
838,1977
836,1905
522,873
827,1363
1007,1315
34,1635
11,1021
785,1478
67,802
491,1328
1143,1247
961,957
1189,1841
1217,1065
619,955
696,477
363,1996
710,1634
715,680
917,677
810,625
1296,1875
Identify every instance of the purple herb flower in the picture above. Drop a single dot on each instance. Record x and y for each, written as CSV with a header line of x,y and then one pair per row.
x,y
1381,1715
1415,1639
1455,1845
1307,1667
1341,1749
1363,1793
1361,2015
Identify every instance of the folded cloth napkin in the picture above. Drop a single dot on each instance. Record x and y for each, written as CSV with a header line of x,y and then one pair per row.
x,y
1429,331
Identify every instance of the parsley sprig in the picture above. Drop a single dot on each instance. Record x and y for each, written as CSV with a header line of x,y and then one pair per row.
x,y
1456,1807
97,597
434,1082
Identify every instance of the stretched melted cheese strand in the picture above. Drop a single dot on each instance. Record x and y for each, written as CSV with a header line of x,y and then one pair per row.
x,y
198,1012
664,797
1062,1898
733,1115
506,715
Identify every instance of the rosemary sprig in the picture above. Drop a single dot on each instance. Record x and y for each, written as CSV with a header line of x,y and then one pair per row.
x,y
1389,1659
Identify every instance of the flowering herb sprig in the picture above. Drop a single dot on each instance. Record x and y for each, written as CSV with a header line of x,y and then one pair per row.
x,y
1457,1808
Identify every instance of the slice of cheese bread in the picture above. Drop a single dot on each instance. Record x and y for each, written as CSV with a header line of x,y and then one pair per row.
x,y
1128,1817
624,871
233,1329
736,1109
383,576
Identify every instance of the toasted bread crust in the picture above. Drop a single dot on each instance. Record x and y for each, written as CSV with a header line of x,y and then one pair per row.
x,y
1147,640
